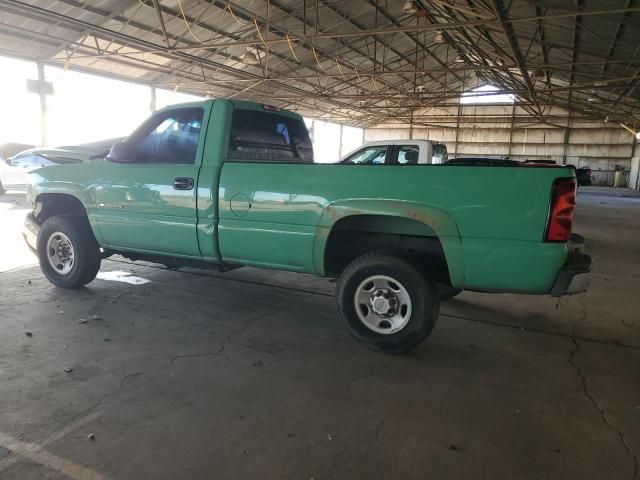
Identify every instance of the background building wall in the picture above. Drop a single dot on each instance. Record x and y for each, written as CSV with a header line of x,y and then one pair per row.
x,y
502,131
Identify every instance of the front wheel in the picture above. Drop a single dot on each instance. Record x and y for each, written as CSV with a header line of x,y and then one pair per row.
x,y
67,251
446,292
388,305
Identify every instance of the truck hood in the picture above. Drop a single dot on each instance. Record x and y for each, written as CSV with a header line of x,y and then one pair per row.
x,y
75,153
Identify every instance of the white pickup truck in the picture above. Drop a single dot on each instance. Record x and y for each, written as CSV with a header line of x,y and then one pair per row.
x,y
401,152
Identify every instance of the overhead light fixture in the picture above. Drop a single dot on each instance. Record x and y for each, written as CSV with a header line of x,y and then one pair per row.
x,y
591,99
439,38
637,135
249,57
459,59
410,7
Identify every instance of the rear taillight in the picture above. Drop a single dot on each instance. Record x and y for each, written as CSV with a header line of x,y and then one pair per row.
x,y
563,204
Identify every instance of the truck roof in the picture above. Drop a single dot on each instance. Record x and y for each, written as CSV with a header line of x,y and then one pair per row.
x,y
403,141
243,104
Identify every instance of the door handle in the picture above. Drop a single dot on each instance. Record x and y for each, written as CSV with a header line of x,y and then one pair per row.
x,y
183,183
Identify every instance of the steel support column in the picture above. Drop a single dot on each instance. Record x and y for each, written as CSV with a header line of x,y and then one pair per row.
x,y
153,105
44,124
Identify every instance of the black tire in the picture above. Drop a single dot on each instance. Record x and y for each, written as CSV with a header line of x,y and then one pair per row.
x,y
421,290
86,253
447,292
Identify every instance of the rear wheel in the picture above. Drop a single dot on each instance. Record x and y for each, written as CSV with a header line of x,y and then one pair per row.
x,y
67,251
387,304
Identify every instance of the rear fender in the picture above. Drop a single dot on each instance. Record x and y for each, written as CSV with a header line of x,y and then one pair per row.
x,y
437,222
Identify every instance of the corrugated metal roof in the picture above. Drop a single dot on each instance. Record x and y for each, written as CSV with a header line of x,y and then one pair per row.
x,y
356,61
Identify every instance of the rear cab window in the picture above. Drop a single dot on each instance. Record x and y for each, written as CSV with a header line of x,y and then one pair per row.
x,y
439,154
268,137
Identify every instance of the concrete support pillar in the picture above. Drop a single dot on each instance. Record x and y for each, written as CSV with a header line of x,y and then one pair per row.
x,y
566,140
44,124
634,174
152,106
513,118
340,142
411,126
455,145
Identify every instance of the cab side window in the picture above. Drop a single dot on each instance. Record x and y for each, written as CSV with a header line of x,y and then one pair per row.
x,y
408,154
374,155
169,137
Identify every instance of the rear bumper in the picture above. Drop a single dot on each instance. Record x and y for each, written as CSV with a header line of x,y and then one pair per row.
x,y
30,230
574,276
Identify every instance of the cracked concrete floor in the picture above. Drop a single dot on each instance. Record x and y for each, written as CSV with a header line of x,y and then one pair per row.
x,y
249,374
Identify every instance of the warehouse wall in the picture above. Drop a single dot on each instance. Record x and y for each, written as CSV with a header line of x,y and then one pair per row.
x,y
505,131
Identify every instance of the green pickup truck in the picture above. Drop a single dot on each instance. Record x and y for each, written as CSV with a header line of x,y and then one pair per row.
x,y
224,184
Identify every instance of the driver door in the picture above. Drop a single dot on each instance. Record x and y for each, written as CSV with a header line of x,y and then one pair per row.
x,y
148,203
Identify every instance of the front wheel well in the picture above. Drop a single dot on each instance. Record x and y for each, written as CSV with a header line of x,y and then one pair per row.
x,y
352,237
51,204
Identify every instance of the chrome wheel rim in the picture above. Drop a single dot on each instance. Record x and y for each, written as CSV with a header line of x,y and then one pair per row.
x,y
382,304
60,253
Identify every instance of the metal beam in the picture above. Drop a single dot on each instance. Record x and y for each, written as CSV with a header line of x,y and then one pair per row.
x,y
517,54
156,7
616,37
406,29
64,45
297,83
143,44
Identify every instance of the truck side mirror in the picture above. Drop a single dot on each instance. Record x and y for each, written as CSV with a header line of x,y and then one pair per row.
x,y
122,152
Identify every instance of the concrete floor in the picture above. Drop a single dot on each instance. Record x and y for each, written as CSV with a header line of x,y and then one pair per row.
x,y
250,375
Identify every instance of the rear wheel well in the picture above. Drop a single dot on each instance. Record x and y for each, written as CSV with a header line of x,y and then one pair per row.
x,y
357,235
51,204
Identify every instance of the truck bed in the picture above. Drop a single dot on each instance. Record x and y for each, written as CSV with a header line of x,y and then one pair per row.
x,y
491,221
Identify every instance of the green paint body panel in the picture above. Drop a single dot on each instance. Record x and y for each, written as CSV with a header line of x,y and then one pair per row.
x,y
490,220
